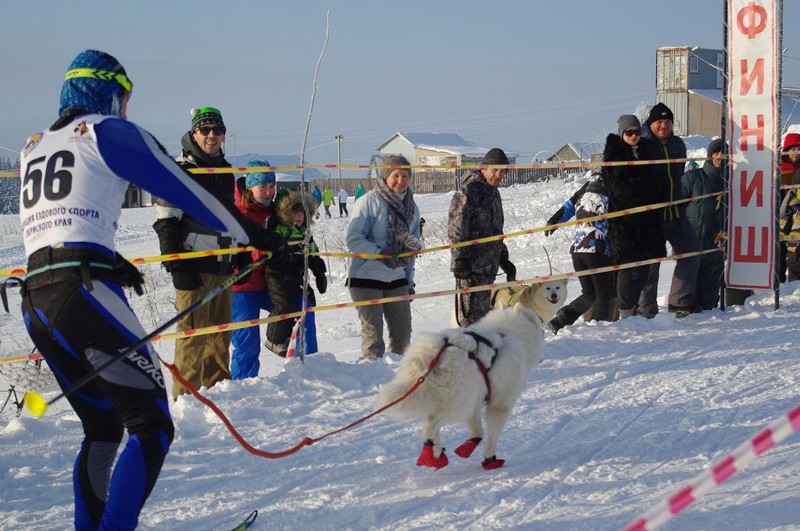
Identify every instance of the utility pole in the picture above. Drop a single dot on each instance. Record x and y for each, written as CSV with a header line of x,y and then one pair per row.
x,y
339,150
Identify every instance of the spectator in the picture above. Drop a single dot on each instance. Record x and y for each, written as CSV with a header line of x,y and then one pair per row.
x,y
327,200
790,163
342,197
708,220
790,227
678,232
202,360
78,315
638,236
317,195
385,221
589,250
359,191
285,278
476,211
252,296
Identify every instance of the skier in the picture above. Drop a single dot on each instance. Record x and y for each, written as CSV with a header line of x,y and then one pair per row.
x,y
76,174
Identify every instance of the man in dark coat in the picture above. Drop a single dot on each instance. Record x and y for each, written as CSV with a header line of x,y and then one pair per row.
x,y
476,211
202,360
677,230
707,219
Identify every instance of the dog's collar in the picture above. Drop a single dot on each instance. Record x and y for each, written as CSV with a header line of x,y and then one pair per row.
x,y
513,300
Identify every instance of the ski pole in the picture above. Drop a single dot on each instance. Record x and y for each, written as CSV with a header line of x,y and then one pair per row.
x,y
36,403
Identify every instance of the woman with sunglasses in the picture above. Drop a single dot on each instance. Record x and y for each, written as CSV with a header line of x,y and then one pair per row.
x,y
202,360
638,236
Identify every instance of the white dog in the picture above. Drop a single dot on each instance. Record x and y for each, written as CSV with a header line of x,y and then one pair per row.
x,y
546,297
467,369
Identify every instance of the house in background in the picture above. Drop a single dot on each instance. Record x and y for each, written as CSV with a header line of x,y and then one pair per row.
x,y
438,149
576,151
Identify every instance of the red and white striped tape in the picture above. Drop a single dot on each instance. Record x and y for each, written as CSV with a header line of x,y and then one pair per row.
x,y
720,471
292,352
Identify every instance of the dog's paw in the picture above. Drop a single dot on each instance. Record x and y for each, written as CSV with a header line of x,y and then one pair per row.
x,y
426,458
490,463
467,447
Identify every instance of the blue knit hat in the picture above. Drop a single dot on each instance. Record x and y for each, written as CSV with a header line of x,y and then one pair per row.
x,y
95,82
259,177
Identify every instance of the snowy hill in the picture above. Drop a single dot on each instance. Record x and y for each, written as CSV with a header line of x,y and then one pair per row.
x,y
617,416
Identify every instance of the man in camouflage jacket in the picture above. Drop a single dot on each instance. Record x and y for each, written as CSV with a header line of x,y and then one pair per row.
x,y
476,211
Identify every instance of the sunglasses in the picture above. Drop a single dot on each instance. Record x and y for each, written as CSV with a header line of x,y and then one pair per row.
x,y
631,132
205,130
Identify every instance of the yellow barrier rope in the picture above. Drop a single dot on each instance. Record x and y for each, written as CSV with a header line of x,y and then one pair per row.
x,y
536,280
199,254
534,166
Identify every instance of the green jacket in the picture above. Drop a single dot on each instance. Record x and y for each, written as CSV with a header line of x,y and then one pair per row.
x,y
327,197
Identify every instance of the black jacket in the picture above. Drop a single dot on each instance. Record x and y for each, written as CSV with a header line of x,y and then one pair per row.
x,y
705,215
179,232
637,236
670,149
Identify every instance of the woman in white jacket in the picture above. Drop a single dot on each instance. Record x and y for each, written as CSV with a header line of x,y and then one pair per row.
x,y
385,221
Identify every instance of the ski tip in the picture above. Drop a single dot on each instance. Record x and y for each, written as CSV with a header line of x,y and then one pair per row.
x,y
36,404
247,521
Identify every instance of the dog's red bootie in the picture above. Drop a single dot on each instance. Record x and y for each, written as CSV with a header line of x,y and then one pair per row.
x,y
467,447
426,457
491,463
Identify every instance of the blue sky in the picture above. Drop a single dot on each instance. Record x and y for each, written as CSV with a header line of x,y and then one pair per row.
x,y
525,75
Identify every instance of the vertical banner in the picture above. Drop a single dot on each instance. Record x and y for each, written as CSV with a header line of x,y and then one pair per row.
x,y
753,98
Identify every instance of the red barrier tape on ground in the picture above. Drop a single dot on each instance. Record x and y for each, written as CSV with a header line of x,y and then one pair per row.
x,y
720,471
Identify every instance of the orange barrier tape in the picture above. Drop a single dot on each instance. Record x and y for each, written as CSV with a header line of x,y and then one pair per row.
x,y
537,280
33,356
255,322
15,271
540,165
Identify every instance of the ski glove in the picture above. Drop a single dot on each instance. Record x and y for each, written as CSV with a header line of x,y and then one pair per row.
x,y
461,269
509,269
411,242
268,240
317,266
555,218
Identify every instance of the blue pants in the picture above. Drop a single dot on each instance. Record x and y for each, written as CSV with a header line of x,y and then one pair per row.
x,y
77,331
246,342
310,324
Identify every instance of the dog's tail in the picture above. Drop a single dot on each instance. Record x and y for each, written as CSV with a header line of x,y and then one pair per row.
x,y
414,364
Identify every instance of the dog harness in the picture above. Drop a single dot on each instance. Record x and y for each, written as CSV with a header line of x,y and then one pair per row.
x,y
483,369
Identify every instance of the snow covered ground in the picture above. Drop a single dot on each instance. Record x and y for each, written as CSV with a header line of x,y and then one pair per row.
x,y
617,416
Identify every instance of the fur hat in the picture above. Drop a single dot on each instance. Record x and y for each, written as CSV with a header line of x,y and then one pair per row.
x,y
259,177
791,140
716,146
627,121
495,156
293,200
660,112
95,82
391,161
206,116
